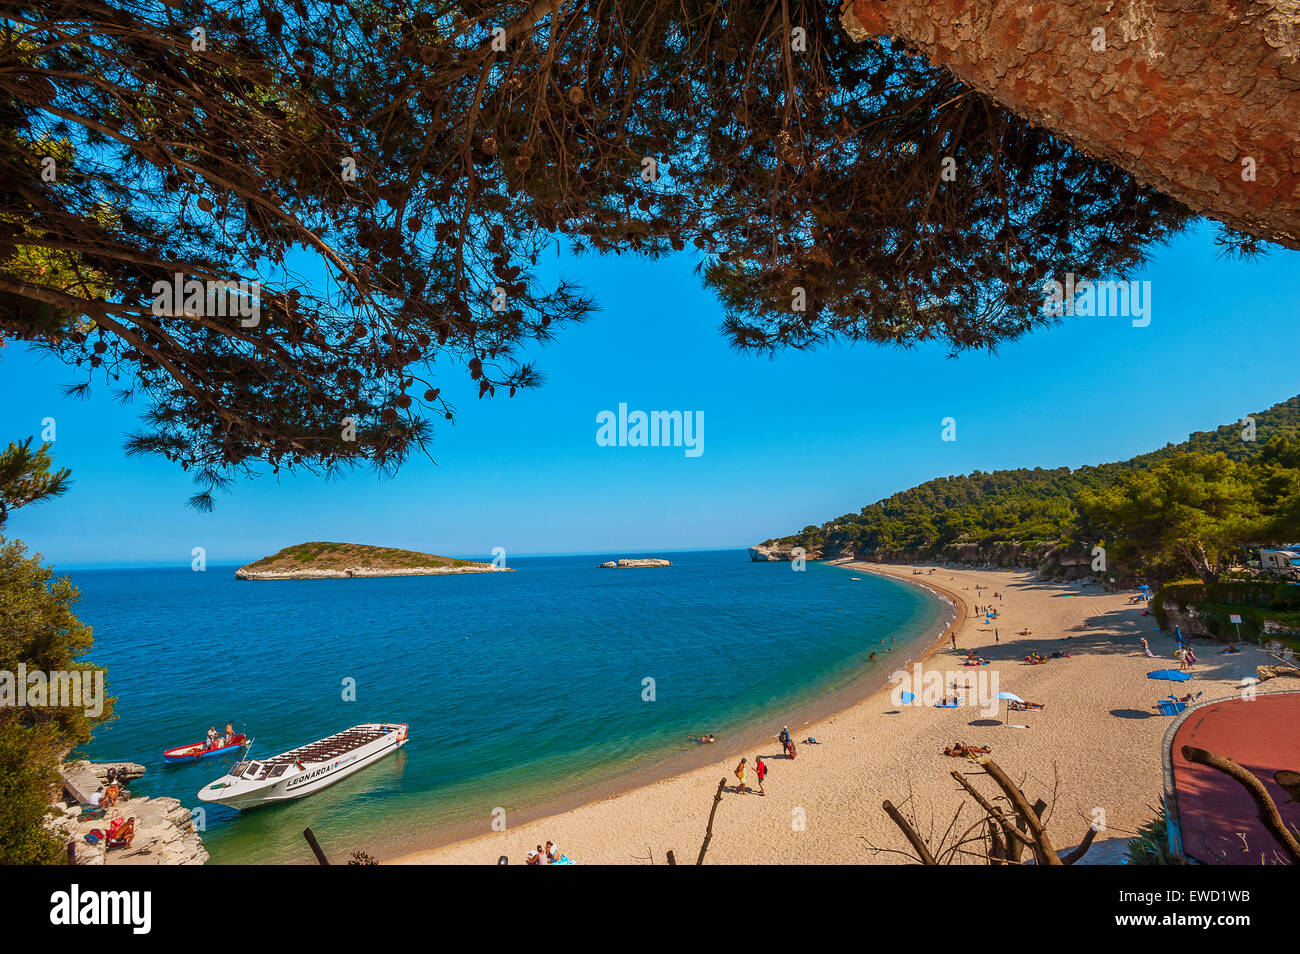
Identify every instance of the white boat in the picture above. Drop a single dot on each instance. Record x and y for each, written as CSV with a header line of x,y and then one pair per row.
x,y
306,769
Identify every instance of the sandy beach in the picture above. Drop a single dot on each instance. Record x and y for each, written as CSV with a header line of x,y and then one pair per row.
x,y
1095,745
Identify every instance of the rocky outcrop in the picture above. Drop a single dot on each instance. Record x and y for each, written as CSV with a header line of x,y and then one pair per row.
x,y
165,832
1051,561
1214,623
775,552
626,564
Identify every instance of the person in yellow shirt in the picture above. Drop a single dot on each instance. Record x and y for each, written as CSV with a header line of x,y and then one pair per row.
x,y
740,774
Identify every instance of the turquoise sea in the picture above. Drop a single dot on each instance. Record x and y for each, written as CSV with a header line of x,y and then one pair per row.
x,y
520,688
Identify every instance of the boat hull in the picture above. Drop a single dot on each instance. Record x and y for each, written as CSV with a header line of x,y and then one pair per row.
x,y
194,752
243,794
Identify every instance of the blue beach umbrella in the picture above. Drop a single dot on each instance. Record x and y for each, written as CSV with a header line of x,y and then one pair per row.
x,y
1173,675
1010,697
907,697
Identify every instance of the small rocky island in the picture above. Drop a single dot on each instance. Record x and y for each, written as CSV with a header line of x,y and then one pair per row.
x,y
334,561
626,564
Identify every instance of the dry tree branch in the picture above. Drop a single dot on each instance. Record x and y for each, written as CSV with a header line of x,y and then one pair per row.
x,y
1264,804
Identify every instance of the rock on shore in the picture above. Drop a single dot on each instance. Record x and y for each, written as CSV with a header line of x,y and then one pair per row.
x,y
164,828
764,553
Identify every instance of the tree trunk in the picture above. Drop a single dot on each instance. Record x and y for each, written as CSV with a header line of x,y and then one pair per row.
x,y
1199,99
1264,804
708,832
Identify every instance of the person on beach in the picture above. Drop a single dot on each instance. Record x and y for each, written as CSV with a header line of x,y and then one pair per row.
x,y
740,776
111,796
552,853
953,637
533,856
760,769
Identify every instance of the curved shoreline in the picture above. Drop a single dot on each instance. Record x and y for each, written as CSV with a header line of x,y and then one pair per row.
x,y
825,706
1094,747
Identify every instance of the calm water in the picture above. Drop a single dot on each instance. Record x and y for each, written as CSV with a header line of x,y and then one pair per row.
x,y
517,686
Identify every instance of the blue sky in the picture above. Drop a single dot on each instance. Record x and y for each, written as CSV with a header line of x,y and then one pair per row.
x,y
787,442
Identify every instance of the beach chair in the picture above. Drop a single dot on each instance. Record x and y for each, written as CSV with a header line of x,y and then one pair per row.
x,y
1173,705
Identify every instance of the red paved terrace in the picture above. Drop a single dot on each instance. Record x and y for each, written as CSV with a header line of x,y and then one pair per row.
x,y
1212,814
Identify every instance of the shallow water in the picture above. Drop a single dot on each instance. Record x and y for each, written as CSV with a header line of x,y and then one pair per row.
x,y
518,687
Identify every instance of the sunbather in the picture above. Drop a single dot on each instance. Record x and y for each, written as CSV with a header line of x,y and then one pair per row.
x,y
121,832
962,749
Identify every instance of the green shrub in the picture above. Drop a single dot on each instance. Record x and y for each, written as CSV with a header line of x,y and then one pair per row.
x,y
37,630
28,776
1151,846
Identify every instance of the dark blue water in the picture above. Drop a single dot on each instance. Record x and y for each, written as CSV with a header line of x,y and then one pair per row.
x,y
517,686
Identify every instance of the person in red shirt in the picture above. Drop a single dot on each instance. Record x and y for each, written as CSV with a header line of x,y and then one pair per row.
x,y
760,769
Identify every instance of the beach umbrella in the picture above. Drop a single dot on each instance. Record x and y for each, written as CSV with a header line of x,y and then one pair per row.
x,y
1010,697
1173,675
907,698
1144,587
